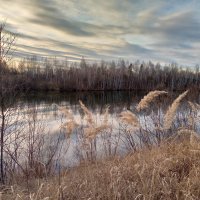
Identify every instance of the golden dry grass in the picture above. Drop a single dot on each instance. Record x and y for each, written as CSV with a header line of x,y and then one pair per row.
x,y
171,171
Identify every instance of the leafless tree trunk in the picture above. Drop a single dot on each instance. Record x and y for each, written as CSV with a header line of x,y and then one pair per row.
x,y
6,47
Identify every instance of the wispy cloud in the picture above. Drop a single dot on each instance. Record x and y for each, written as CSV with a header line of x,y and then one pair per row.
x,y
164,31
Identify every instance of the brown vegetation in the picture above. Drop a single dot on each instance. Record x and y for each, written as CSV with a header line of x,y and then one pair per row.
x,y
170,171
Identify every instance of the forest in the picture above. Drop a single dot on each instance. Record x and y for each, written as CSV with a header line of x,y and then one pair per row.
x,y
55,75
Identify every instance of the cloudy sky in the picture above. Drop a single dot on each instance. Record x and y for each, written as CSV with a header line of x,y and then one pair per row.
x,y
157,30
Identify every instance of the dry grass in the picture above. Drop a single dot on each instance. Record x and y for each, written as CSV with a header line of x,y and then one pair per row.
x,y
171,171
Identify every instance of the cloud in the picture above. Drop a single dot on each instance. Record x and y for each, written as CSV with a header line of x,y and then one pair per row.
x,y
133,29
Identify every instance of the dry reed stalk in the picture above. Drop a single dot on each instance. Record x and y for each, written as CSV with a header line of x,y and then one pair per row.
x,y
188,134
92,128
91,132
66,112
70,126
106,115
191,120
71,123
171,112
194,106
130,118
88,114
144,103
198,106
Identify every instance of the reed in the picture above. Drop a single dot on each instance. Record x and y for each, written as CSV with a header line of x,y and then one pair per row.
x,y
185,134
130,118
88,114
171,112
150,97
164,172
93,128
194,106
70,123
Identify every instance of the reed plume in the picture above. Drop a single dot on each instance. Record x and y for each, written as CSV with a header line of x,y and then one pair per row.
x,y
194,106
92,128
67,113
188,134
71,123
144,103
171,112
130,118
70,126
193,117
88,114
91,132
106,115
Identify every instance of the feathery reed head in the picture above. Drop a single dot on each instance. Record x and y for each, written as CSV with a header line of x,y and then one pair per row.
x,y
105,121
70,123
67,113
187,134
144,103
92,128
88,114
92,132
69,126
194,106
171,112
130,118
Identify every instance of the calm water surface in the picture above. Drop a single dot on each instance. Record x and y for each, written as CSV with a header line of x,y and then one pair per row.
x,y
118,101
48,114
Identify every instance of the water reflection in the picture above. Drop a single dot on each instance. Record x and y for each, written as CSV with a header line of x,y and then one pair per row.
x,y
44,105
95,101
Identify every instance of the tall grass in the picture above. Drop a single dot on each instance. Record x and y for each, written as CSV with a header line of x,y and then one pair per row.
x,y
170,171
131,161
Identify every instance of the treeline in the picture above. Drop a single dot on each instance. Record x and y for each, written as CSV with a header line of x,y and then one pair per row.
x,y
52,74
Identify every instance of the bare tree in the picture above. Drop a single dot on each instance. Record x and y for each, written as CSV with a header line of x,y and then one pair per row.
x,y
6,89
7,41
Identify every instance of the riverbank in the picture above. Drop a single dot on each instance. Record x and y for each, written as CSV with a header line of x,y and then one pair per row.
x,y
170,171
147,154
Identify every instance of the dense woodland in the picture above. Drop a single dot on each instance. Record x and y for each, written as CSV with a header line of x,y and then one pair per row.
x,y
52,74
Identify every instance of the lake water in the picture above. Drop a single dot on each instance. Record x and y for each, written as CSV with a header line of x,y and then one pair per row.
x,y
41,109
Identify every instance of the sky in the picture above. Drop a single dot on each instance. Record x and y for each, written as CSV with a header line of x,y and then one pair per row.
x,y
157,30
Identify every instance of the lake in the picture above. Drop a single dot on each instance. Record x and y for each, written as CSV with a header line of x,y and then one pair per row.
x,y
41,121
